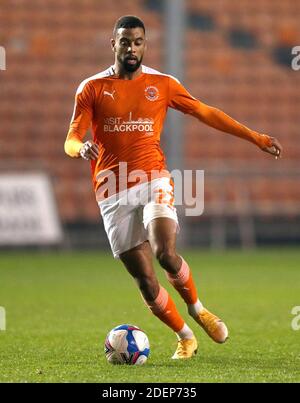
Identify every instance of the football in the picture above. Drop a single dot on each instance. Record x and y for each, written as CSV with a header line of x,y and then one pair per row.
x,y
127,344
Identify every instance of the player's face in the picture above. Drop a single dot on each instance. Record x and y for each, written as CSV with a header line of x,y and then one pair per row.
x,y
129,46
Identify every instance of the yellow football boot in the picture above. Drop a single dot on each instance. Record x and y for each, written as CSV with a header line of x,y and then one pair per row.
x,y
186,348
213,326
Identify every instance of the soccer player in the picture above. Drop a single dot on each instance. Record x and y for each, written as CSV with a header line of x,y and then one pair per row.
x,y
126,105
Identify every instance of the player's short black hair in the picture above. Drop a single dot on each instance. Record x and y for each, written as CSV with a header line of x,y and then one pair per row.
x,y
128,21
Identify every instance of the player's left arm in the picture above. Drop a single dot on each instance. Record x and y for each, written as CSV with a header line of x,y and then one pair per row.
x,y
179,98
221,121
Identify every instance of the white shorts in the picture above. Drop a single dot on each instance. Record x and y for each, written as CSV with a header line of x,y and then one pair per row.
x,y
127,214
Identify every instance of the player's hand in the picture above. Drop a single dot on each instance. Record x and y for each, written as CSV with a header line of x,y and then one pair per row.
x,y
275,148
89,151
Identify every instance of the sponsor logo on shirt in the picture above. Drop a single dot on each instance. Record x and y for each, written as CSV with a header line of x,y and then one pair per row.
x,y
118,125
151,93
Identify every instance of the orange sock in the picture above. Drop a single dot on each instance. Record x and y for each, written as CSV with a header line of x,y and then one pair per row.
x,y
184,283
164,308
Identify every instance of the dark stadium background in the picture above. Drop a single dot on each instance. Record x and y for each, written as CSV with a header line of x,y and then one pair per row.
x,y
236,55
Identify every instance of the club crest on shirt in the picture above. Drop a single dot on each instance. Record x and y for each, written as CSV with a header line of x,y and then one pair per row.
x,y
151,93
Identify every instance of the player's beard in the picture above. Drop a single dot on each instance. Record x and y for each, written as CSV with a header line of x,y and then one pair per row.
x,y
131,68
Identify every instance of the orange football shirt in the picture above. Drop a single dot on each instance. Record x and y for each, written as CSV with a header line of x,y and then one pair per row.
x,y
127,118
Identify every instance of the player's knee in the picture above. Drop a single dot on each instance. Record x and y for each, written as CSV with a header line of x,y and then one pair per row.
x,y
166,258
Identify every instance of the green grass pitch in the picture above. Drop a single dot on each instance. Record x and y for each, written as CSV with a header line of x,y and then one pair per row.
x,y
60,306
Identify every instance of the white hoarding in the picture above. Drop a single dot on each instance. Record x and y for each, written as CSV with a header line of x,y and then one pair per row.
x,y
28,214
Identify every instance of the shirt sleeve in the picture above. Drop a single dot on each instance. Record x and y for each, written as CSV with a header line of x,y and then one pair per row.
x,y
81,119
182,100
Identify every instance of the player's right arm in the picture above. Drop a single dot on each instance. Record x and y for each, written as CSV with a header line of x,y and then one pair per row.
x,y
80,123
